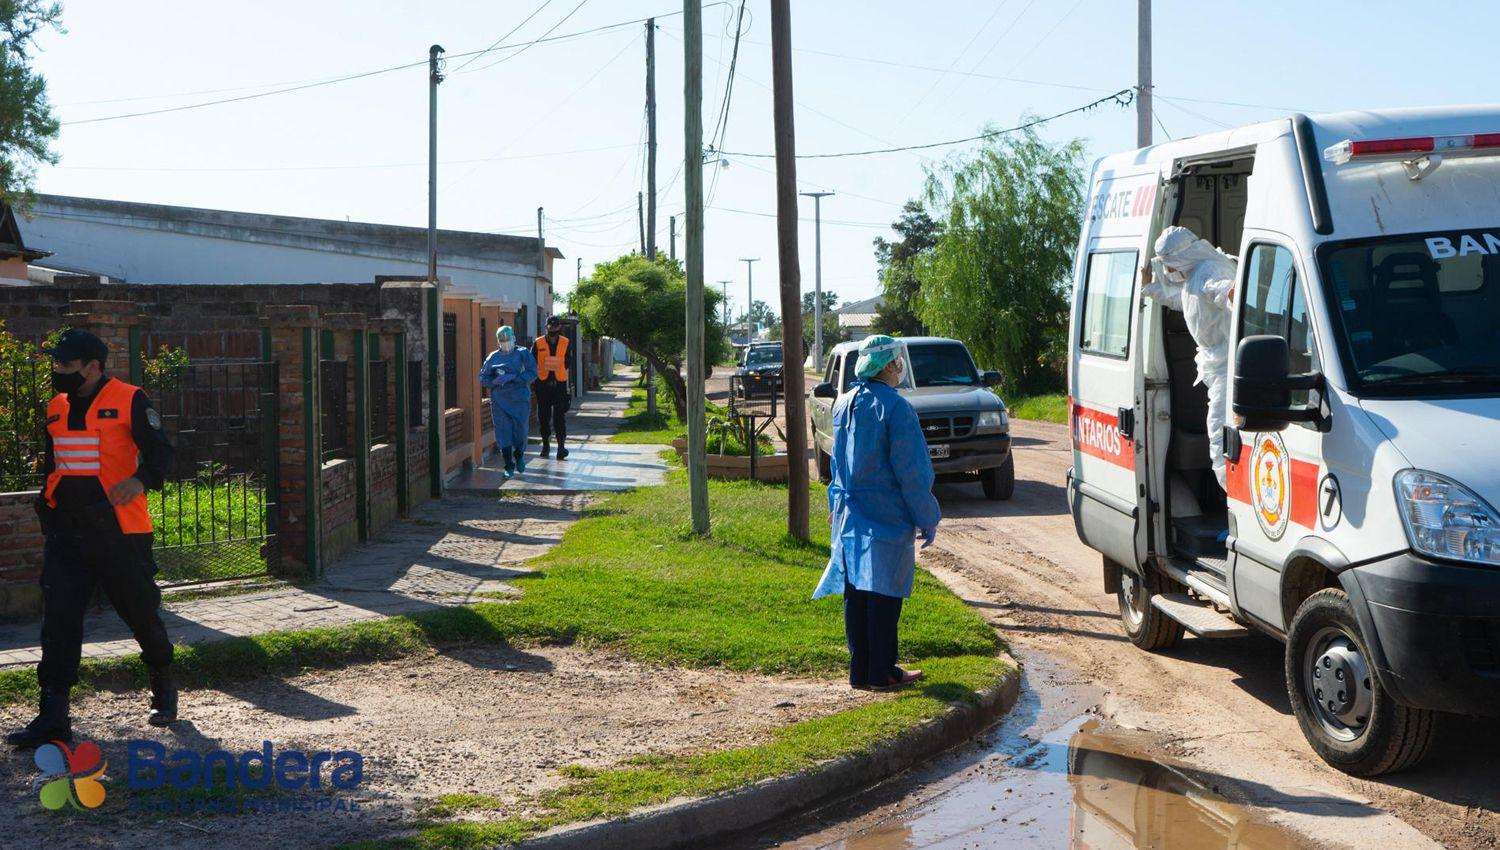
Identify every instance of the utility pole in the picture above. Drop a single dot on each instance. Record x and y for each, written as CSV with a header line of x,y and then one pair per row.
x,y
541,271
817,275
578,275
651,138
692,25
724,285
650,373
640,215
749,294
1143,73
672,236
792,377
434,298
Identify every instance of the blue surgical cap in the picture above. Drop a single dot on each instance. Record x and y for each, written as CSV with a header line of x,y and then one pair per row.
x,y
876,353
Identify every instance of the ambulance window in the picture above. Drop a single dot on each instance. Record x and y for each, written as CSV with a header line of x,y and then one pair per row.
x,y
1108,291
1276,305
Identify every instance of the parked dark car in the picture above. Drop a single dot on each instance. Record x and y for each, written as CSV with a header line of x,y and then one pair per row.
x,y
759,371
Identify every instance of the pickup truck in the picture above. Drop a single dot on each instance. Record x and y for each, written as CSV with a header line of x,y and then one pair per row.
x,y
967,430
759,370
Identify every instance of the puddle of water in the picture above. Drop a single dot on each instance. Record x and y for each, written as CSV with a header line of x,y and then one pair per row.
x,y
1078,787
1049,777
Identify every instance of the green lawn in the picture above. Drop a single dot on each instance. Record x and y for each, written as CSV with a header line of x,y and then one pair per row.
x,y
209,529
642,427
1051,407
631,577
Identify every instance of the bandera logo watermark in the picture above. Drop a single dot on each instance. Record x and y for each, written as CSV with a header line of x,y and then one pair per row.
x,y
185,781
70,777
264,780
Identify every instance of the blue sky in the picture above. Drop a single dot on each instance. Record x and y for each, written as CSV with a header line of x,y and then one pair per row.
x,y
560,125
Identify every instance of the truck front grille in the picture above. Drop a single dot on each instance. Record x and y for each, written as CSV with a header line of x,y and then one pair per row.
x,y
941,428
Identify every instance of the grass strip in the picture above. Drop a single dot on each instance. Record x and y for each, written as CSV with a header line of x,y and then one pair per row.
x,y
639,426
1051,407
652,780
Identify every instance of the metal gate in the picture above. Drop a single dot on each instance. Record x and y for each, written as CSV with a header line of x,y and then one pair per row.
x,y
216,517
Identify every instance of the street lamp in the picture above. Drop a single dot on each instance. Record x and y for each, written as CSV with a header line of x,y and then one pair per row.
x,y
817,274
749,291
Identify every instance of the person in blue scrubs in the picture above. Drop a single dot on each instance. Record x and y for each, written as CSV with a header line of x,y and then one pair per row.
x,y
507,373
879,501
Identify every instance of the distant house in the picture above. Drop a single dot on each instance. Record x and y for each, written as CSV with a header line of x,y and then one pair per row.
x,y
152,243
857,318
15,257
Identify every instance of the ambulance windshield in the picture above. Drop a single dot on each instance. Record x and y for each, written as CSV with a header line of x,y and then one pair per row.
x,y
1419,315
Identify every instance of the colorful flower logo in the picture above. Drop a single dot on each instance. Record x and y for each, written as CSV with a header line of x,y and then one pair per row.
x,y
70,777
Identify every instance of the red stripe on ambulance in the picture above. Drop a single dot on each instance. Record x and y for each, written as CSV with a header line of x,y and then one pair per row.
x,y
1097,433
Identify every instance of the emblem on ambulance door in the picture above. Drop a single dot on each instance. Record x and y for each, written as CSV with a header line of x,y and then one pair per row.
x,y
1270,484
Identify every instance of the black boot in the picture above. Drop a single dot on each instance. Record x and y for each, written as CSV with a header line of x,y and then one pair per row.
x,y
546,447
562,449
163,698
51,723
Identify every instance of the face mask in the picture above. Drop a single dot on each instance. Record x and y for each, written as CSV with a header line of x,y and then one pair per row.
x,y
1176,276
507,344
67,382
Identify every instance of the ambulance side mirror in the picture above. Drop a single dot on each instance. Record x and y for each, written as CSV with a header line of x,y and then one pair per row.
x,y
1263,385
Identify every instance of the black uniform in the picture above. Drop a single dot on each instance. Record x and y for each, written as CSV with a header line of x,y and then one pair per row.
x,y
84,548
552,403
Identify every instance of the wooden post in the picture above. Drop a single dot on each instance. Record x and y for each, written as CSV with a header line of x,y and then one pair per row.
x,y
651,138
693,174
792,379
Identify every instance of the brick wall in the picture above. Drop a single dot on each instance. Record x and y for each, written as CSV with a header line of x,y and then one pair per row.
x,y
418,489
453,423
383,506
21,541
339,529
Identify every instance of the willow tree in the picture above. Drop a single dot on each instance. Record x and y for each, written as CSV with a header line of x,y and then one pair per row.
x,y
997,278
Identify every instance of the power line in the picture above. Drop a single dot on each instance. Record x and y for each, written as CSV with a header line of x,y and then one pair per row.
x,y
721,126
269,168
549,31
954,64
1123,97
363,74
841,222
513,31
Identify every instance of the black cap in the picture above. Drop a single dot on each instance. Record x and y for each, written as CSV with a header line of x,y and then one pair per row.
x,y
553,320
78,345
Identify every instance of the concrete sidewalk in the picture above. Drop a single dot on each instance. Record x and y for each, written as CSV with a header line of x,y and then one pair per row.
x,y
448,553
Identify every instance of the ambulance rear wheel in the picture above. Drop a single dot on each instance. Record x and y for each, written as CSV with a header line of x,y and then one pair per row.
x,y
1345,714
1145,624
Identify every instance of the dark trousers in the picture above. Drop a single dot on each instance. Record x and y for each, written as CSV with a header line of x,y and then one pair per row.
x,y
552,402
870,626
77,558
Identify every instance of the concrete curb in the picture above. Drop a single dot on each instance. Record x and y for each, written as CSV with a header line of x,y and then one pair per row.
x,y
696,823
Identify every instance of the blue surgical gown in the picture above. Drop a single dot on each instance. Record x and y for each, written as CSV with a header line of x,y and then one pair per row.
x,y
508,376
881,492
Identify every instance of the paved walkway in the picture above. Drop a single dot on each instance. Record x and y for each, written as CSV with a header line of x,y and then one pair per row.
x,y
449,552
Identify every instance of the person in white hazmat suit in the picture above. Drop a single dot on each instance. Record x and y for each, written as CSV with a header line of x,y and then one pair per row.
x,y
1198,279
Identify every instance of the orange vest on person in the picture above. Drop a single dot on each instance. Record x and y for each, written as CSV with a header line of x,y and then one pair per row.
x,y
549,362
104,449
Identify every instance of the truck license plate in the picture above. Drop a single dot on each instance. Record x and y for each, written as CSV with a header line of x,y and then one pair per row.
x,y
937,451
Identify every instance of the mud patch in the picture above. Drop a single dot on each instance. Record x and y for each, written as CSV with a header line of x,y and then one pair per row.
x,y
481,720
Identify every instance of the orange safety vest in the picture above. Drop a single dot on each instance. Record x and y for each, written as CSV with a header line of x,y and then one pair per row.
x,y
549,362
104,449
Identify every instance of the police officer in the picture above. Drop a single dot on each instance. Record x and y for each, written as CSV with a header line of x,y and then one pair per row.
x,y
104,448
552,400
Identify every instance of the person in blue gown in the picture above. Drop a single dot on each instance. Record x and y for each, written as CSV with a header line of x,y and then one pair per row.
x,y
507,373
879,501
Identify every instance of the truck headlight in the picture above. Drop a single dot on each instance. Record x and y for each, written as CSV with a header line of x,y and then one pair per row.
x,y
1445,519
991,421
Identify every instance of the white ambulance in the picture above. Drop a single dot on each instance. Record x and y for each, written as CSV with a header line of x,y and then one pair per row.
x,y
1359,526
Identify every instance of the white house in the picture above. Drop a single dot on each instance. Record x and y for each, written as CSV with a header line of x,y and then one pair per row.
x,y
859,316
152,243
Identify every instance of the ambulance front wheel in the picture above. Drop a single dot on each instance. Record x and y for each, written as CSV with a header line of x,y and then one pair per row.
x,y
1345,714
1145,624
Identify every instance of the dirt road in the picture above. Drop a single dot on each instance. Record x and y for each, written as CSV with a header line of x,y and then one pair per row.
x,y
1213,710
